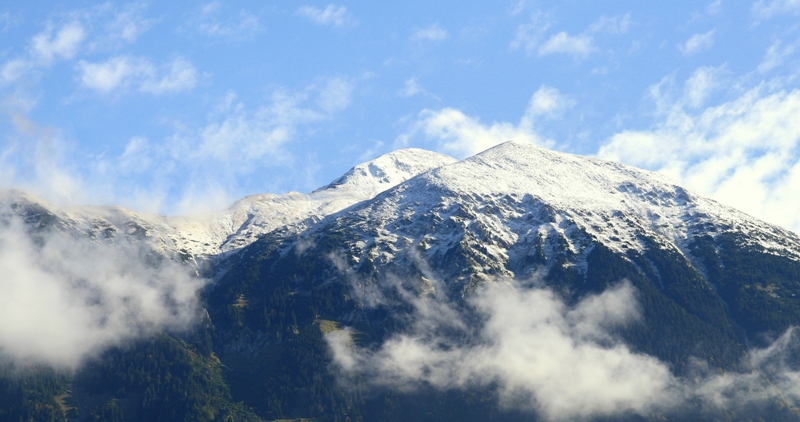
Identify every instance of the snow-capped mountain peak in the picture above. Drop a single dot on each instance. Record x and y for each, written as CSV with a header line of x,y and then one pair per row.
x,y
248,218
370,178
501,203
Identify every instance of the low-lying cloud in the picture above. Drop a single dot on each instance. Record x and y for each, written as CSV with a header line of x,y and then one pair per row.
x,y
562,362
66,299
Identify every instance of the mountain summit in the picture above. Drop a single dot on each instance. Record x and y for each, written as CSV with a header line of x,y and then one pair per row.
x,y
387,171
243,222
710,282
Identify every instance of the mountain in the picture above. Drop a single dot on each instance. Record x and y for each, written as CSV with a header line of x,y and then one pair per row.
x,y
316,298
203,236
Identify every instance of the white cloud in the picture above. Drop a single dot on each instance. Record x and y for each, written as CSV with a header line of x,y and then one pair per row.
x,y
462,136
530,34
201,166
129,24
35,161
240,139
701,84
612,25
430,33
100,28
108,76
170,162
335,95
714,7
698,43
776,54
7,21
211,21
560,361
331,15
577,46
178,76
61,43
14,70
547,101
66,299
123,72
743,152
411,88
768,9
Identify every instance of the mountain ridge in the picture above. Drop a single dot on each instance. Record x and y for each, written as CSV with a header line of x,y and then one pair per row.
x,y
241,223
312,302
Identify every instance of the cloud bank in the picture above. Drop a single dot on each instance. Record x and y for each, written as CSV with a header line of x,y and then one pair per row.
x,y
560,361
557,360
66,299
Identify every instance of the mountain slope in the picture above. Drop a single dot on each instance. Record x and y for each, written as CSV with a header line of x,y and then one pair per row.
x,y
710,280
398,258
242,223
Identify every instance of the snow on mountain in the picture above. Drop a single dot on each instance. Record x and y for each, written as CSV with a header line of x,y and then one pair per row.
x,y
602,197
259,214
501,206
245,220
498,206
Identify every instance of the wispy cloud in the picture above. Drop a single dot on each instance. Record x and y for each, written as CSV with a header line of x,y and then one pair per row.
x,y
202,165
455,133
532,36
411,88
561,361
129,24
14,70
776,54
697,43
612,25
213,21
123,72
67,299
55,43
701,84
743,152
331,15
577,46
35,158
714,7
768,9
545,356
545,102
7,20
430,33
83,32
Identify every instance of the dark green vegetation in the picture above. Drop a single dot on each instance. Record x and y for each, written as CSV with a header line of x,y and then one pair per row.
x,y
261,354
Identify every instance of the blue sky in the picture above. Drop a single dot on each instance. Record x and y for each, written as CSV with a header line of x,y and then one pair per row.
x,y
180,107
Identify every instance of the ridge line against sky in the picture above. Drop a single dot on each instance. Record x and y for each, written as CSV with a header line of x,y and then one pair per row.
x,y
185,107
